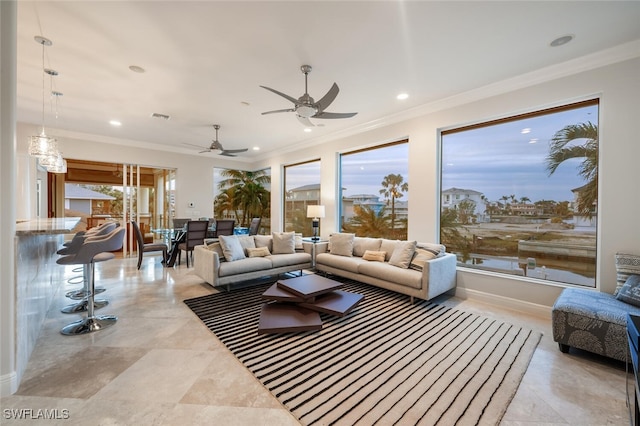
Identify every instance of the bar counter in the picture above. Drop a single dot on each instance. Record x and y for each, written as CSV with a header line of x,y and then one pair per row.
x,y
38,277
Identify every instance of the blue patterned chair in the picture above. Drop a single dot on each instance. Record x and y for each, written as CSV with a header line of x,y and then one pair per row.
x,y
592,321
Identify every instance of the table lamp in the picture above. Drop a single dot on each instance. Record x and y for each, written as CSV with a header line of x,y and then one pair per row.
x,y
315,212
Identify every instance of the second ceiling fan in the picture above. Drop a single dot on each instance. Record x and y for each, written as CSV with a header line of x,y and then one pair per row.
x,y
306,107
217,146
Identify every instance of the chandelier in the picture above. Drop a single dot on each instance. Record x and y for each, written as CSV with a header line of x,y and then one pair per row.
x,y
42,145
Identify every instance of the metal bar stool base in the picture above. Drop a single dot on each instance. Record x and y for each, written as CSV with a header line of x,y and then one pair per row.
x,y
89,325
82,306
82,293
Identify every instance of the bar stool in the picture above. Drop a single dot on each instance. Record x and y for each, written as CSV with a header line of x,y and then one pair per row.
x,y
82,294
93,250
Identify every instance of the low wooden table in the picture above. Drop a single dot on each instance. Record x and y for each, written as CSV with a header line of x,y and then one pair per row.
x,y
295,304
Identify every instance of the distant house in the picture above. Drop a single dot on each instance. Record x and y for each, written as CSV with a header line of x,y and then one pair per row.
x,y
452,197
84,200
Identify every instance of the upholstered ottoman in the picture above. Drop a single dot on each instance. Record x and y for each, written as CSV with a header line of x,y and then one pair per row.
x,y
592,321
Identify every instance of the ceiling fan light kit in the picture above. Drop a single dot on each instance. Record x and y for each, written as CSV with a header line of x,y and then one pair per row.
x,y
305,106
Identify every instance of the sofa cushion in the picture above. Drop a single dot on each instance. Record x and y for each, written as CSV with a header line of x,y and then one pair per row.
x,y
420,258
231,248
436,249
218,249
376,256
626,264
284,242
298,240
630,291
386,272
289,259
402,254
362,244
388,246
342,244
264,241
246,242
249,264
257,252
340,262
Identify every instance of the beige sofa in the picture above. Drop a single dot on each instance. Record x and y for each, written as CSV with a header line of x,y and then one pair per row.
x,y
416,269
217,268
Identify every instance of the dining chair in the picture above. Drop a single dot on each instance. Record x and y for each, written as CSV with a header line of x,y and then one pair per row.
x,y
225,227
196,233
147,247
254,226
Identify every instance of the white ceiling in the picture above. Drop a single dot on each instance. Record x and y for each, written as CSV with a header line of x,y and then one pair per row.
x,y
205,61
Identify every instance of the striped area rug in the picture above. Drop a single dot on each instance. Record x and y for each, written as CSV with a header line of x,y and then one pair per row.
x,y
386,362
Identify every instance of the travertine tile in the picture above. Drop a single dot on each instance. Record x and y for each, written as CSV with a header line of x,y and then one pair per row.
x,y
160,365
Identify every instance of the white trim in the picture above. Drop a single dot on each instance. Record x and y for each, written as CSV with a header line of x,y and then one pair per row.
x,y
8,384
504,302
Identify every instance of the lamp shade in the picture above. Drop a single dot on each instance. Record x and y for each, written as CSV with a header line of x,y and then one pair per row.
x,y
315,211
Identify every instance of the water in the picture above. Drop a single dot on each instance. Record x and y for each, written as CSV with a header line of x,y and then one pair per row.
x,y
562,272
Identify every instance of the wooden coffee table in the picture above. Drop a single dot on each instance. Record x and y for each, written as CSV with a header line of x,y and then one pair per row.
x,y
295,304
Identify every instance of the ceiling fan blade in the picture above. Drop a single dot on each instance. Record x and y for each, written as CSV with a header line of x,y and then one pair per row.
x,y
305,121
328,98
289,98
334,114
206,150
195,146
279,110
227,154
233,151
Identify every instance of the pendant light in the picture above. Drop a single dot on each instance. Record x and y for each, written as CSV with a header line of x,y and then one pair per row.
x,y
42,145
54,163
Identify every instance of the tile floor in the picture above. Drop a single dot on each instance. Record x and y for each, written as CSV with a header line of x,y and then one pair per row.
x,y
160,365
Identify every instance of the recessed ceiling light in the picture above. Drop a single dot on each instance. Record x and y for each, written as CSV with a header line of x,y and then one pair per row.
x,y
307,129
402,96
115,123
256,148
137,69
561,40
525,130
533,140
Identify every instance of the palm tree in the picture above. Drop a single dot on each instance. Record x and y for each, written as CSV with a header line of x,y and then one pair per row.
x,y
224,203
366,222
247,192
562,148
392,187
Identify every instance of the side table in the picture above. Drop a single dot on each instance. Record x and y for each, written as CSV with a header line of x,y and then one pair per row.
x,y
313,242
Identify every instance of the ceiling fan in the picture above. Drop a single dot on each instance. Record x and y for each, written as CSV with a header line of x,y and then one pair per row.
x,y
305,107
217,146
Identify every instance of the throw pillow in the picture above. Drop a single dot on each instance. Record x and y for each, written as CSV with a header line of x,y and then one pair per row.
x,y
258,252
403,253
218,249
630,291
264,241
420,258
376,256
388,246
342,244
363,244
284,242
246,242
231,248
626,264
436,249
298,239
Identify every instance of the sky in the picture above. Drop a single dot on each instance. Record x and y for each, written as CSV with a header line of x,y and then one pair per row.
x,y
502,160
499,160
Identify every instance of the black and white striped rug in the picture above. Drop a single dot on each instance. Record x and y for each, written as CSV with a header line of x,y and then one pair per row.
x,y
386,362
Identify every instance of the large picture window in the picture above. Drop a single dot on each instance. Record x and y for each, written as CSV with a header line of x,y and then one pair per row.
x,y
519,195
375,191
302,189
242,195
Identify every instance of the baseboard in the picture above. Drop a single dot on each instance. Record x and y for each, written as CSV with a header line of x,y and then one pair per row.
x,y
8,384
504,302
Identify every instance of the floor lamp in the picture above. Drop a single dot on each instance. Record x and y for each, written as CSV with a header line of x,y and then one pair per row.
x,y
315,212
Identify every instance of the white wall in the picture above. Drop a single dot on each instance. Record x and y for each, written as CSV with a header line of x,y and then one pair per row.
x,y
619,90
